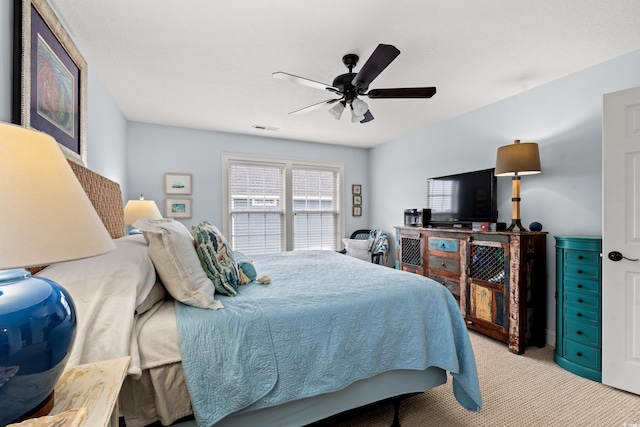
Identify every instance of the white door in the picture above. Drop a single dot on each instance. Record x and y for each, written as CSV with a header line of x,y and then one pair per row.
x,y
621,233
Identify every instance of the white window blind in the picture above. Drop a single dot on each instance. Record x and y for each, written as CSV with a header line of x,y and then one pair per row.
x,y
257,207
315,207
276,206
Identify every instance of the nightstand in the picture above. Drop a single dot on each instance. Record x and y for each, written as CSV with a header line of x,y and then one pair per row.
x,y
95,386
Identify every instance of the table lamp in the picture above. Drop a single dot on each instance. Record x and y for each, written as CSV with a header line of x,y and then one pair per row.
x,y
137,209
515,160
46,218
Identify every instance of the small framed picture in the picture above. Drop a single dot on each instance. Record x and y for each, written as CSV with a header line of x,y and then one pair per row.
x,y
357,200
177,183
356,189
177,208
357,211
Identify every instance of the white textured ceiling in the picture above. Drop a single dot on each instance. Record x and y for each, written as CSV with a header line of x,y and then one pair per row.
x,y
207,64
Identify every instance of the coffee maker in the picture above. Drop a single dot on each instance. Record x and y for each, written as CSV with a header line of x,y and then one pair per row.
x,y
417,217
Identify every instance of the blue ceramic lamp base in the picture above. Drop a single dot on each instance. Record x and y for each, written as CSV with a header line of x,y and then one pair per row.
x,y
37,328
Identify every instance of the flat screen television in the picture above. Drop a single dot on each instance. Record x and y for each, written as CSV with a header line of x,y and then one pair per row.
x,y
460,199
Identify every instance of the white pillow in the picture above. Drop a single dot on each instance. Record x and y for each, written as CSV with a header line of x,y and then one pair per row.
x,y
174,256
155,295
358,248
107,290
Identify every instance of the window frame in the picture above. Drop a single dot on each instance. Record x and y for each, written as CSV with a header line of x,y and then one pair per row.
x,y
289,164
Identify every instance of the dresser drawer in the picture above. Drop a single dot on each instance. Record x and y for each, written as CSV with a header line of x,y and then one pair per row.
x,y
444,245
444,264
582,354
582,313
587,271
582,332
578,300
582,257
452,285
582,285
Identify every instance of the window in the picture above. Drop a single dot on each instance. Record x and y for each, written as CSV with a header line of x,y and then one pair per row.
x,y
276,205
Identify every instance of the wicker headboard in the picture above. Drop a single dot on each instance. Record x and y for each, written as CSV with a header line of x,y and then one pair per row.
x,y
105,196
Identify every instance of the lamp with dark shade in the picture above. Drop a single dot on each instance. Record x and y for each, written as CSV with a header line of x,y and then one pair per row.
x,y
46,218
515,160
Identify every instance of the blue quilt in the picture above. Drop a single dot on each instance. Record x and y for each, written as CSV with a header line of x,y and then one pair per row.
x,y
325,321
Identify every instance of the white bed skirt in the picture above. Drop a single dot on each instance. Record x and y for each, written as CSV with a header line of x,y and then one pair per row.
x,y
305,411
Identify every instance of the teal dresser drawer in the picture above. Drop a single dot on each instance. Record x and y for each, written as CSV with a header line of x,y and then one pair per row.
x,y
577,300
444,245
581,331
579,305
582,257
586,271
583,313
582,354
582,285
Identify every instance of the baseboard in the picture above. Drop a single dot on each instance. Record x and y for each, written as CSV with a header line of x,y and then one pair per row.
x,y
551,338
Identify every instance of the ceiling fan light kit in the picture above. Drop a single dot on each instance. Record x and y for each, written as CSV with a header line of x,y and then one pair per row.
x,y
336,110
355,118
359,106
350,86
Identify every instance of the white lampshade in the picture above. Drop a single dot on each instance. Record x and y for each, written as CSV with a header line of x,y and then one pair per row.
x,y
359,107
137,209
336,110
46,216
356,118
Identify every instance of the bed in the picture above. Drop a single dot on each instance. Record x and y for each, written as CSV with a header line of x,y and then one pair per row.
x,y
328,333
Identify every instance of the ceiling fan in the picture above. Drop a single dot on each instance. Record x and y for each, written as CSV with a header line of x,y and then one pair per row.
x,y
350,86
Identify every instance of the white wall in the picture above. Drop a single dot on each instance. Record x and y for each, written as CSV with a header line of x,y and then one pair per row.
x,y
153,150
564,117
106,134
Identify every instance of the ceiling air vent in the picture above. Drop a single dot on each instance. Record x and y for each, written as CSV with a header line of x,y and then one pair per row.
x,y
262,127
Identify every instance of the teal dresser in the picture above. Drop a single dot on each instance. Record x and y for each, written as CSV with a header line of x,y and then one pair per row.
x,y
578,305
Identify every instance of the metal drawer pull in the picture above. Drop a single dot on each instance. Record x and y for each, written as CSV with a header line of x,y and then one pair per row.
x,y
579,285
617,256
579,354
579,271
444,265
579,299
579,314
580,256
579,332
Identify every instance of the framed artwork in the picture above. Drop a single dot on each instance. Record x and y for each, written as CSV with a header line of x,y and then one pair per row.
x,y
357,211
357,200
177,208
356,189
177,183
49,79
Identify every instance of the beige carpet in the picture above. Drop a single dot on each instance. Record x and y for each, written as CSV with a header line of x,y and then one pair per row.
x,y
526,390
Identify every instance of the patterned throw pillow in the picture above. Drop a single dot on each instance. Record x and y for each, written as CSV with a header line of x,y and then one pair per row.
x,y
214,253
245,264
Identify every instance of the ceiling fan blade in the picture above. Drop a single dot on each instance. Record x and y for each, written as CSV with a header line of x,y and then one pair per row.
x,y
377,62
406,92
303,81
314,106
367,117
